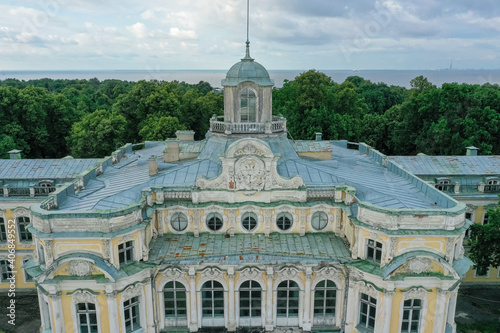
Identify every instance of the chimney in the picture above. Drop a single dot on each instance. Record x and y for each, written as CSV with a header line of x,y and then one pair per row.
x,y
185,135
153,165
319,136
15,154
471,151
171,152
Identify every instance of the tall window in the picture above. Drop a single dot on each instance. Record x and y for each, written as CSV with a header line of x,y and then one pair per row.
x,y
319,220
212,294
288,299
24,234
248,106
87,318
249,221
325,299
250,299
486,218
4,270
179,222
411,315
373,251
126,253
131,314
3,232
174,295
367,311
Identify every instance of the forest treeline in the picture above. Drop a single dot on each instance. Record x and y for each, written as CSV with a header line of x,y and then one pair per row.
x,y
90,118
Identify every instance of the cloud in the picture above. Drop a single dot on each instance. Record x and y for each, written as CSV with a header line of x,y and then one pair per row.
x,y
182,34
139,30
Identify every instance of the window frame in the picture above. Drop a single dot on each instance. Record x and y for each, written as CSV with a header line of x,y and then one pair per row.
x,y
126,248
87,312
249,215
133,303
443,184
22,223
3,229
369,306
213,299
326,300
253,287
284,215
492,185
217,216
178,215
318,215
176,289
245,96
5,270
376,249
411,308
292,294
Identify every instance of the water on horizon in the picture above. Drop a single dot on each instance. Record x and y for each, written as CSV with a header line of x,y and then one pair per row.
x,y
214,77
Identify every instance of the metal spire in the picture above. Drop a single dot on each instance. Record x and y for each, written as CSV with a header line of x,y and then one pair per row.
x,y
247,55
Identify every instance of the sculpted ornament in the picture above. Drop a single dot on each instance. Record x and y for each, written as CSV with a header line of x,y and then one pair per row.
x,y
132,291
173,273
249,149
418,265
79,268
83,296
250,174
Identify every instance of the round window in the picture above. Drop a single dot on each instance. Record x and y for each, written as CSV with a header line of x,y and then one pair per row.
x,y
284,221
179,222
214,221
319,220
249,221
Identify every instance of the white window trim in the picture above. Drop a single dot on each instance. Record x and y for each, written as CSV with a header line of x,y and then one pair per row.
x,y
2,216
329,217
173,275
133,249
257,109
129,293
239,221
83,296
369,290
332,274
415,293
292,274
203,221
209,274
277,212
171,212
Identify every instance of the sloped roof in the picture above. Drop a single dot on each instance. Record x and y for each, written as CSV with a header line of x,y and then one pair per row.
x,y
450,165
44,169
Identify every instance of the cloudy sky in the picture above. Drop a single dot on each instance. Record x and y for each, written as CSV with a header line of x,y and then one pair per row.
x,y
285,34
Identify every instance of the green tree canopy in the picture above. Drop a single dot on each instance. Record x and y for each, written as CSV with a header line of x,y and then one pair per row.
x,y
485,243
98,134
159,128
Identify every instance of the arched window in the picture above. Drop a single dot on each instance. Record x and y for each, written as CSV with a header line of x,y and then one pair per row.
x,y
287,306
248,106
212,294
250,303
174,296
325,296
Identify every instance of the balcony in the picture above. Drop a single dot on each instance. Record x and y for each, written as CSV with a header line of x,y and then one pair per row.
x,y
218,125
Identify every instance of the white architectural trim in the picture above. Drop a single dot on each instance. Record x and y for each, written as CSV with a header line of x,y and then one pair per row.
x,y
173,274
330,226
129,293
415,293
84,296
336,276
167,227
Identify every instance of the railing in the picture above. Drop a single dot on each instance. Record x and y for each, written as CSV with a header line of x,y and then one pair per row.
x,y
32,191
468,188
19,192
218,125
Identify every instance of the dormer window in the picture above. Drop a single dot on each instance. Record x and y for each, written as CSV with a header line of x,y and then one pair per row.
x,y
443,184
248,106
492,185
45,187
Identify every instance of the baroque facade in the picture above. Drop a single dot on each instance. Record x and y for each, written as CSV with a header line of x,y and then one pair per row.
x,y
247,229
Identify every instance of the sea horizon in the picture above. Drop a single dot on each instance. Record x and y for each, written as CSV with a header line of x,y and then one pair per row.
x,y
397,77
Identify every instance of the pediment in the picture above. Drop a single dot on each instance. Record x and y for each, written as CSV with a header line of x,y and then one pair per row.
x,y
249,165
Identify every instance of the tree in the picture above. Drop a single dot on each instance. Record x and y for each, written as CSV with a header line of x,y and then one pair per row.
x,y
98,134
485,243
159,128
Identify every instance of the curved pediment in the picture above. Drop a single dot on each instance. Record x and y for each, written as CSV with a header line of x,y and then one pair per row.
x,y
249,165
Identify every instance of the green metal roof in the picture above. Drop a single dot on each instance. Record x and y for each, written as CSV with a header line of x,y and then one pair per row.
x,y
248,248
247,70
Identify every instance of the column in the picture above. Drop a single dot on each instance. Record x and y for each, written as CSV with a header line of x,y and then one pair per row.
x,y
439,315
451,310
112,311
350,308
306,326
232,321
150,312
57,312
193,325
269,300
388,294
44,312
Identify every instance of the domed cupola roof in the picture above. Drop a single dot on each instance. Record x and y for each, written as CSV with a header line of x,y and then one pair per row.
x,y
247,70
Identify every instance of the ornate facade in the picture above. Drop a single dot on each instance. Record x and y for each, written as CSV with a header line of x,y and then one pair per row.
x,y
247,229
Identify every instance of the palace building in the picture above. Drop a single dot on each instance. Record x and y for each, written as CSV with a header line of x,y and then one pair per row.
x,y
245,229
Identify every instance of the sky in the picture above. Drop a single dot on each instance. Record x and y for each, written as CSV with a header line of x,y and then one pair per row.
x,y
284,34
